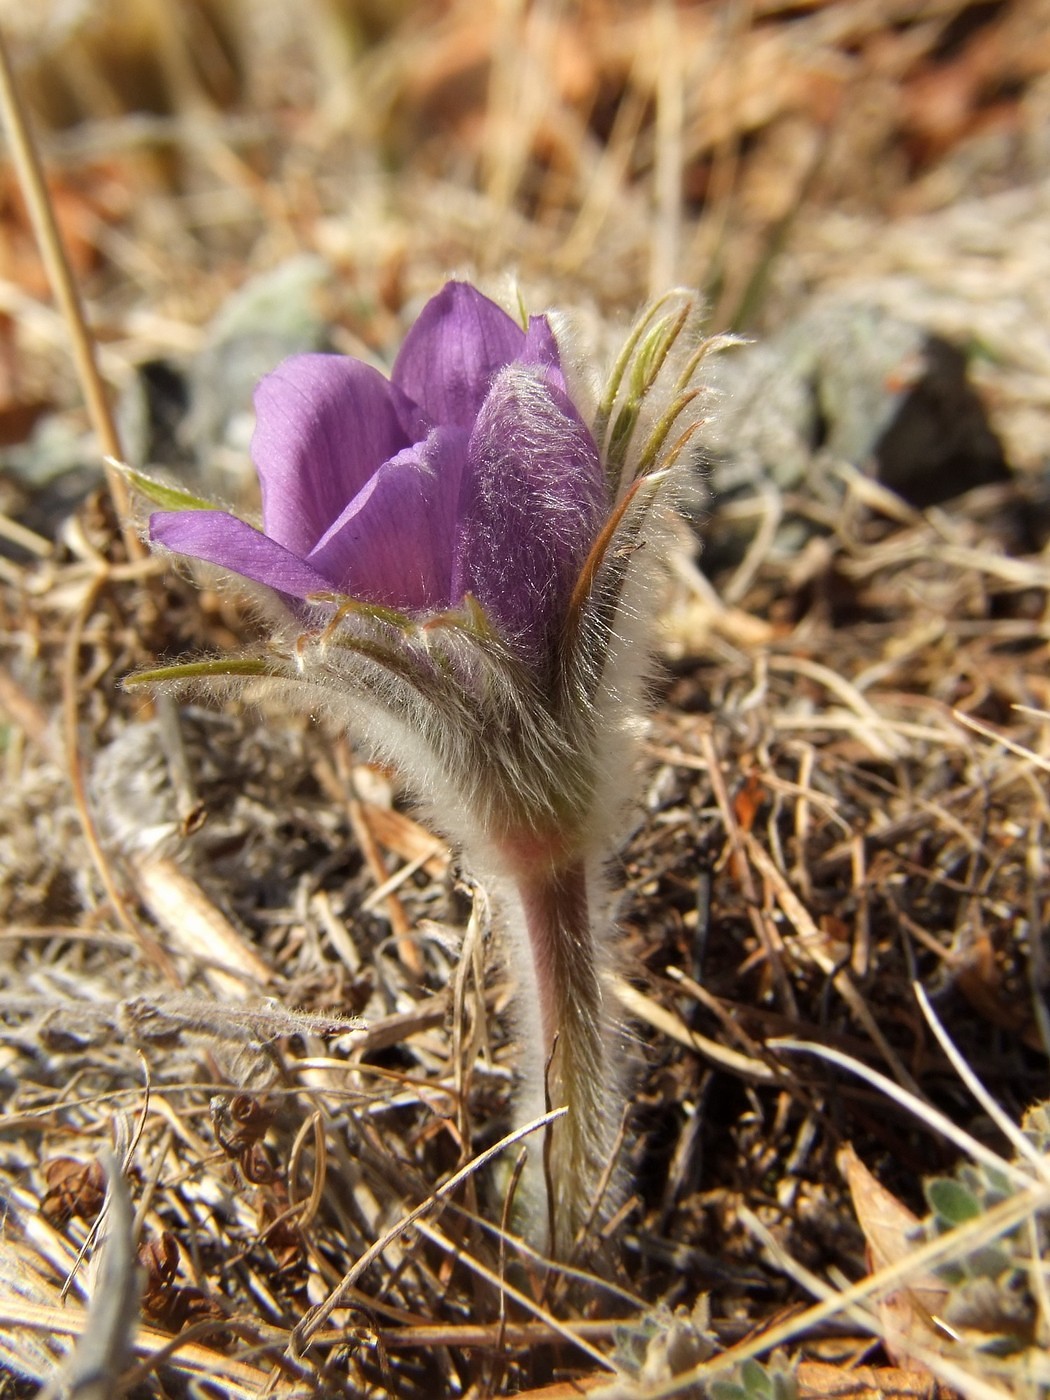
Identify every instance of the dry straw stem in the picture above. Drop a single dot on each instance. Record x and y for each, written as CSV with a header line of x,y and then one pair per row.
x,y
52,250
94,1370
1030,1173
858,1300
318,1316
861,1304
648,1011
75,770
386,886
197,928
241,1381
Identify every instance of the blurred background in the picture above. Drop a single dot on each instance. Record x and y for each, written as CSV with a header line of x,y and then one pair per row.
x,y
596,151
861,189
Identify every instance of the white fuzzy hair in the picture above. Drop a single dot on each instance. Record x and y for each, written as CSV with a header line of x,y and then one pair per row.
x,y
493,745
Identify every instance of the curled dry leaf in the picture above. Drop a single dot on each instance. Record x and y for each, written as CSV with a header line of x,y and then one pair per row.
x,y
74,1188
817,1380
171,1305
909,1313
240,1121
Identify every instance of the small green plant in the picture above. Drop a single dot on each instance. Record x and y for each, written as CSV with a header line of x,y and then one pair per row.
x,y
994,1293
665,1344
753,1381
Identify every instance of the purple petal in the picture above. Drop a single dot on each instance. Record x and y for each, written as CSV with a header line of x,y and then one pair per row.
x,y
458,344
534,501
394,542
541,348
220,538
324,424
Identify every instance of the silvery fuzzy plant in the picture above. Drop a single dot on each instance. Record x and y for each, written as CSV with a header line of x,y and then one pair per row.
x,y
994,1298
463,557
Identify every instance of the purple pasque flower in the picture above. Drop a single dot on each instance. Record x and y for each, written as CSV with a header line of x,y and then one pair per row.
x,y
464,556
469,470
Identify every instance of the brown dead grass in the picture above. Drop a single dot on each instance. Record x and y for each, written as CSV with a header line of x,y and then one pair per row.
x,y
846,778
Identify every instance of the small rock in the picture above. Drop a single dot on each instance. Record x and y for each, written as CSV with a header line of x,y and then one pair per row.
x,y
850,383
44,479
272,316
199,414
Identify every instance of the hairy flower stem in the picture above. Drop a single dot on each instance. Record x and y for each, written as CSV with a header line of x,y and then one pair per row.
x,y
575,1043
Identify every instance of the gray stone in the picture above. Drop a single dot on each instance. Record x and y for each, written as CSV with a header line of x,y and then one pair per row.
x,y
849,383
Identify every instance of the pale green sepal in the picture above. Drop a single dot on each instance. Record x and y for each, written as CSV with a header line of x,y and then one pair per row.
x,y
612,387
653,351
167,497
357,607
650,348
200,670
654,446
470,618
